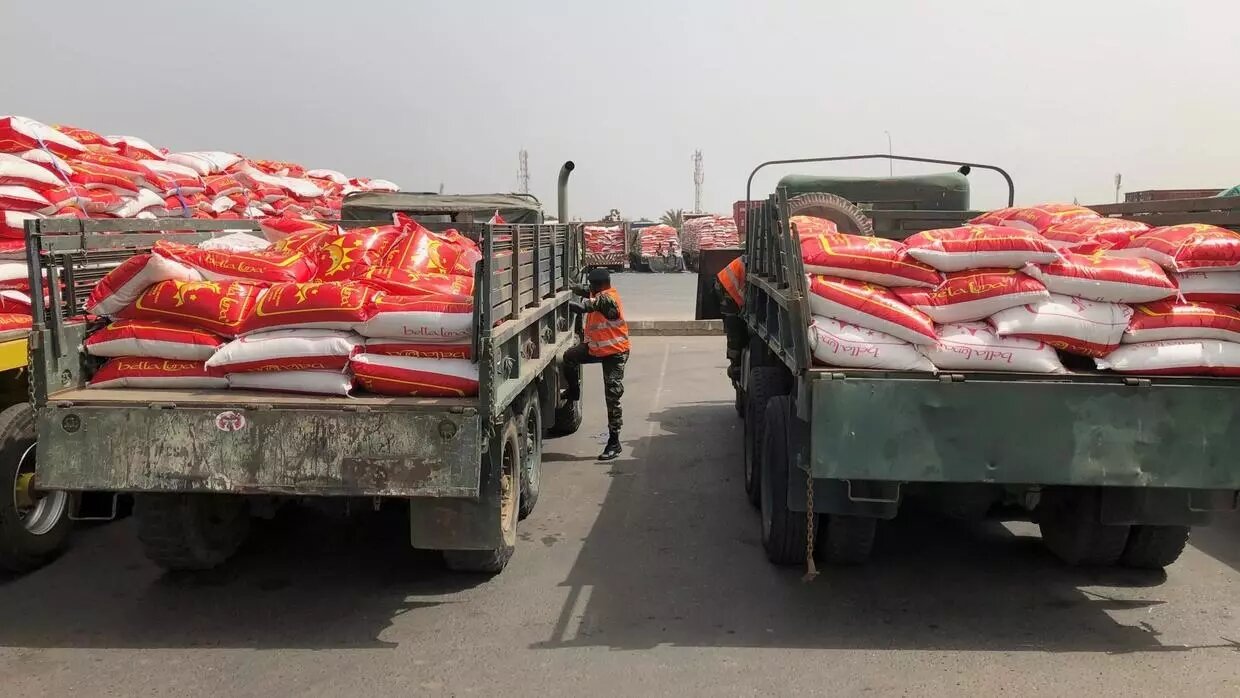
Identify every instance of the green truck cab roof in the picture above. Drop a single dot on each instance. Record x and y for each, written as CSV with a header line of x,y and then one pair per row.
x,y
945,191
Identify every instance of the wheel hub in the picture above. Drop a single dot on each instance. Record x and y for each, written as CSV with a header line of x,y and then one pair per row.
x,y
39,512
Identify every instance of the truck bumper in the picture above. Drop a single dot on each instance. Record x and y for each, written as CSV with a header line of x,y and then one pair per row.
x,y
303,452
1099,430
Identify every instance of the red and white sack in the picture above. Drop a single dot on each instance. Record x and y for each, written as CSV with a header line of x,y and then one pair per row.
x,y
15,321
1069,324
979,247
974,346
235,242
16,197
135,275
415,347
13,301
1037,219
1166,320
13,223
307,382
263,266
204,162
287,350
134,147
141,372
878,261
439,319
1210,286
835,343
218,306
973,295
19,134
1184,357
868,306
405,283
314,305
423,251
348,254
154,340
415,376
1186,247
812,226
15,170
1103,278
14,275
1089,234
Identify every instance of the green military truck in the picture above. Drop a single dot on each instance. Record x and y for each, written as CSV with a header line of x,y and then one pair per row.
x,y
200,463
1114,468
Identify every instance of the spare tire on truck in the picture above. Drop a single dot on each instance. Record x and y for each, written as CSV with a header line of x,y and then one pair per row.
x,y
846,215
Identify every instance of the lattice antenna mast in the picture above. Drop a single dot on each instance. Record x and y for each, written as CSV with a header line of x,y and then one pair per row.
x,y
523,174
699,176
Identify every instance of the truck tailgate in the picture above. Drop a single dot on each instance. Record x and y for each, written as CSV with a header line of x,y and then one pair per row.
x,y
253,443
1081,429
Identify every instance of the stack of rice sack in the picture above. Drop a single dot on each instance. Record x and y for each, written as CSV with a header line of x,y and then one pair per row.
x,y
64,171
657,240
319,310
709,233
604,240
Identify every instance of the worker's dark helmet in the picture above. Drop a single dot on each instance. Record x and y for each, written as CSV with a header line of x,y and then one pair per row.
x,y
599,276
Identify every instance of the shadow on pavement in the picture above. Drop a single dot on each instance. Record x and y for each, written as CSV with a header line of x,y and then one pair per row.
x,y
1221,540
675,558
305,580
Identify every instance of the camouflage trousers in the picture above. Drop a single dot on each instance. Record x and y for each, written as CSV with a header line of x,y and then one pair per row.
x,y
613,379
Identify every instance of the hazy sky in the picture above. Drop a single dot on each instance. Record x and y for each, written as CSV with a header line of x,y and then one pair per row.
x,y
1063,94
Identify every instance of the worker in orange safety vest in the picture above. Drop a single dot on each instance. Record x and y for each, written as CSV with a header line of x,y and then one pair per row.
x,y
606,342
730,287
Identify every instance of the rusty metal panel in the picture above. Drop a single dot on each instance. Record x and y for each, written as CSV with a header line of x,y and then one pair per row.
x,y
401,453
1028,431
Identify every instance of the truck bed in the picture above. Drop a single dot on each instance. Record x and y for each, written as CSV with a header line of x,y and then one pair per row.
x,y
1073,376
243,399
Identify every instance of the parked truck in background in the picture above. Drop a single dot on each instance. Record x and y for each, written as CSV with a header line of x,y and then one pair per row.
x,y
1114,468
200,463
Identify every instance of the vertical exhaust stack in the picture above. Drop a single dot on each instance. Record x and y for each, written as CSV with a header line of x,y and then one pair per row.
x,y
562,192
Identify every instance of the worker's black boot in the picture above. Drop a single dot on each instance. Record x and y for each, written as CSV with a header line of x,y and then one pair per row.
x,y
571,394
612,451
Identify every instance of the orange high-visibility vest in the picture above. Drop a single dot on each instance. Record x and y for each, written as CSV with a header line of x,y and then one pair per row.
x,y
606,337
732,278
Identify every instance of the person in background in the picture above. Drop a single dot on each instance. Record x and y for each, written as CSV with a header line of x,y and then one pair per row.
x,y
730,287
607,343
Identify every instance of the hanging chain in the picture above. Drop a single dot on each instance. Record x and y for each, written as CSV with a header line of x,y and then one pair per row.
x,y
811,570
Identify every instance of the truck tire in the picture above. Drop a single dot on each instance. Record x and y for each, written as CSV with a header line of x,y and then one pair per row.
x,y
1073,533
844,213
847,540
784,532
494,561
1154,547
531,454
191,531
34,528
765,382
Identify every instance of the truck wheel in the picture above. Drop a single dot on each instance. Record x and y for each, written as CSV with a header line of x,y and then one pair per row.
x,y
848,540
34,526
191,531
1154,547
1073,533
765,382
844,213
783,531
493,561
531,454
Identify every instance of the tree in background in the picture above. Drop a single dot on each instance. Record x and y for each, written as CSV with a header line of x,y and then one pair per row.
x,y
613,216
674,217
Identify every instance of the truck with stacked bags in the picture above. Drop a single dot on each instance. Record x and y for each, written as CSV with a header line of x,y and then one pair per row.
x,y
1078,368
232,379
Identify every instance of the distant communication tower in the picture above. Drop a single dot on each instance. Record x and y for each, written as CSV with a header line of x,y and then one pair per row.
x,y
523,174
698,177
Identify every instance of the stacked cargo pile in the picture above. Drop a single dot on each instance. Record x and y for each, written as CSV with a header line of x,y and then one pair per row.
x,y
312,308
709,233
604,240
1022,287
659,240
67,172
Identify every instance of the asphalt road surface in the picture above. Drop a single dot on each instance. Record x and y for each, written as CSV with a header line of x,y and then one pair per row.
x,y
643,576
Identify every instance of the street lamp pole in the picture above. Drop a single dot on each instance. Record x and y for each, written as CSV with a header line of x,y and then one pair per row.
x,y
890,163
